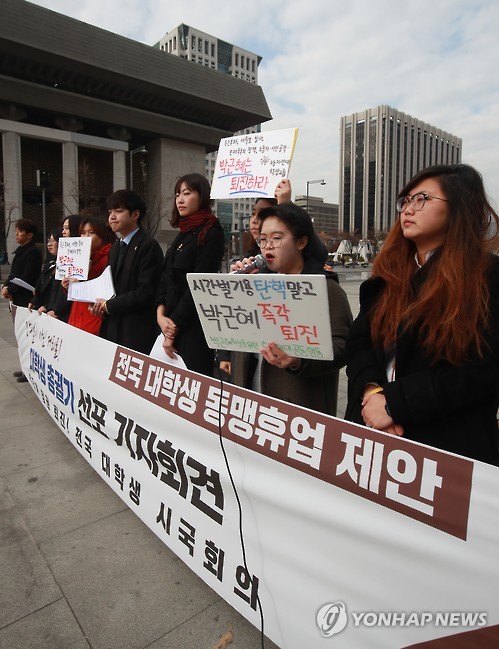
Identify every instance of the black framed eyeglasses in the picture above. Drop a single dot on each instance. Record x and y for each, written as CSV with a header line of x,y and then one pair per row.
x,y
275,241
416,201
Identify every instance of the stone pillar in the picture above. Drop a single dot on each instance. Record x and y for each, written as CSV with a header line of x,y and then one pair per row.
x,y
13,191
167,160
70,185
119,170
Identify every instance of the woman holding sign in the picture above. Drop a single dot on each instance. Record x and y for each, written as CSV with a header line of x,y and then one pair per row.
x,y
59,307
289,245
102,239
198,248
423,355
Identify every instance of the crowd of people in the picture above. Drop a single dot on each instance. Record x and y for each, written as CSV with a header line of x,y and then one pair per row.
x,y
422,355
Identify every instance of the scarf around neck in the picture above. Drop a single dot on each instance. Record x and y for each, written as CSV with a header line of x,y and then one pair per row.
x,y
203,218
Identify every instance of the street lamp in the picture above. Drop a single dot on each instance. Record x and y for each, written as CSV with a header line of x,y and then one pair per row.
x,y
312,182
140,149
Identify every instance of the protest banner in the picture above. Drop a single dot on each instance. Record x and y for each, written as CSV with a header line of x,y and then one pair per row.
x,y
246,312
253,164
73,257
350,534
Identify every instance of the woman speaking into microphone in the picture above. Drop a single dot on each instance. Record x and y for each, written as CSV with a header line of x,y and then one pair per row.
x,y
289,245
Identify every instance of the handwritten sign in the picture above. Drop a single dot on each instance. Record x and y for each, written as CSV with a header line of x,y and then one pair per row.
x,y
253,164
245,312
73,257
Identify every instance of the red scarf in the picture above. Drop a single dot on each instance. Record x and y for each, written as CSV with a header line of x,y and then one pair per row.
x,y
203,217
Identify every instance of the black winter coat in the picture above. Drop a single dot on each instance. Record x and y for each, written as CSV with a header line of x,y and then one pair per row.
x,y
186,256
450,407
132,315
26,265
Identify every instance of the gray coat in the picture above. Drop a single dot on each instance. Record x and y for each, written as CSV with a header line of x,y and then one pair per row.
x,y
315,384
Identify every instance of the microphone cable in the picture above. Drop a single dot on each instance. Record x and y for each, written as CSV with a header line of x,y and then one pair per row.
x,y
236,494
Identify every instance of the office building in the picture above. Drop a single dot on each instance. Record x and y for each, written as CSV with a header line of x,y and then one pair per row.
x,y
324,215
201,48
380,150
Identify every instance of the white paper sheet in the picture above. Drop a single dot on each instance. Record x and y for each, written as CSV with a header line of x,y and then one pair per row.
x,y
89,291
22,284
159,354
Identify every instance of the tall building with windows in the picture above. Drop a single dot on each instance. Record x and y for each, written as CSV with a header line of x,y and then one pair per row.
x,y
201,48
380,150
324,215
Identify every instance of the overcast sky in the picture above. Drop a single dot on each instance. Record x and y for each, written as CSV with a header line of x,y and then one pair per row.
x,y
436,60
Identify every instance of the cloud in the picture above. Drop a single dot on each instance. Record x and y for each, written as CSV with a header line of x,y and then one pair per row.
x,y
436,61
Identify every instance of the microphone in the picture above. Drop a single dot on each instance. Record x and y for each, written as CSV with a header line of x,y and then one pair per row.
x,y
258,262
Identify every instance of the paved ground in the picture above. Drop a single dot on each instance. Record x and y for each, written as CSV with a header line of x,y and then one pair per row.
x,y
78,569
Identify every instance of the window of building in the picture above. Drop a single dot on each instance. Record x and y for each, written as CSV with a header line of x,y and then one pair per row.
x,y
193,43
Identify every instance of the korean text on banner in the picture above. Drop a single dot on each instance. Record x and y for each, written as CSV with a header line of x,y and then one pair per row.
x,y
339,519
253,164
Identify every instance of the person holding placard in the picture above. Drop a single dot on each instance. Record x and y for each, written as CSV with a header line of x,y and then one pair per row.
x,y
423,354
102,238
282,195
198,248
289,245
135,261
59,307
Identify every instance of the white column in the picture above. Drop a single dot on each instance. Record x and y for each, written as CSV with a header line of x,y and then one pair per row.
x,y
13,193
70,186
119,170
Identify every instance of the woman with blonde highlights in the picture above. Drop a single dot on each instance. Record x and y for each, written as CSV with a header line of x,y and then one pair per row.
x,y
423,353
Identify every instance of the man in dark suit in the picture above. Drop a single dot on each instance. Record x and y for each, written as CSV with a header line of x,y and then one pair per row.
x,y
26,266
129,318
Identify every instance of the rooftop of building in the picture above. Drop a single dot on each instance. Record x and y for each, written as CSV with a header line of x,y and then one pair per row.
x,y
58,65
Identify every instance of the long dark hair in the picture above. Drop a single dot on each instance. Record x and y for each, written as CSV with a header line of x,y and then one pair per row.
x,y
196,183
74,221
451,308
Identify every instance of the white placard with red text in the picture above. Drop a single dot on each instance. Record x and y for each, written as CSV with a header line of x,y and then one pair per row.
x,y
253,164
73,257
245,312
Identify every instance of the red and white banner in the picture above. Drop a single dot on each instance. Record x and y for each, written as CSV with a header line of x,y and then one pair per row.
x,y
352,537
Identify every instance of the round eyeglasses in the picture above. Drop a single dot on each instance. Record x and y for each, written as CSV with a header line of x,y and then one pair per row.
x,y
416,201
276,241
